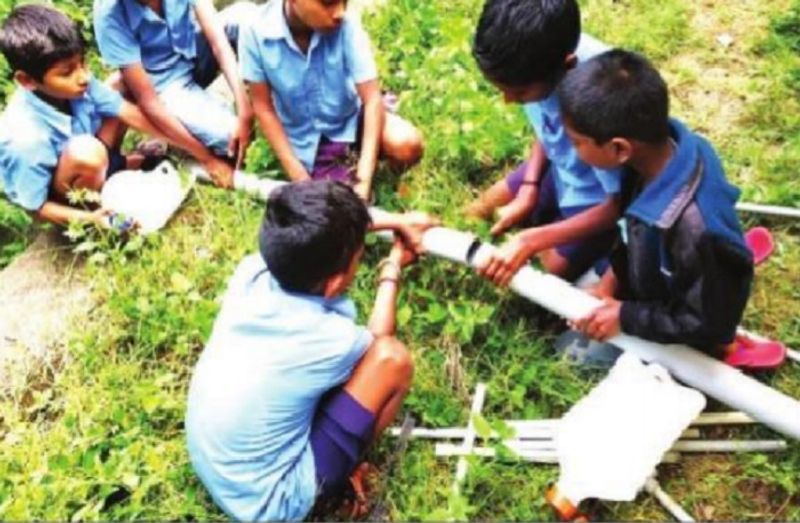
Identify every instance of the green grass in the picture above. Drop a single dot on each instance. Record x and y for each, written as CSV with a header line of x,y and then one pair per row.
x,y
98,434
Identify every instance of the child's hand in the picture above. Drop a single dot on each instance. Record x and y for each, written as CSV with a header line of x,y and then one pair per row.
x,y
101,218
504,263
240,140
362,190
412,228
602,323
220,171
514,212
401,254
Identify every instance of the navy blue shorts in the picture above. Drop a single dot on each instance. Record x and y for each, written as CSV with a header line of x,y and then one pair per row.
x,y
582,254
341,431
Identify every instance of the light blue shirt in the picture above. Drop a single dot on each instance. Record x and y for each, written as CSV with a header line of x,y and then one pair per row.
x,y
271,356
314,94
33,134
129,33
577,183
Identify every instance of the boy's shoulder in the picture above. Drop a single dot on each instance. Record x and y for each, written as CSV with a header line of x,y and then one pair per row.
x,y
22,131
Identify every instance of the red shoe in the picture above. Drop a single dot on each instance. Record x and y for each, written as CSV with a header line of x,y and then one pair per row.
x,y
753,354
759,241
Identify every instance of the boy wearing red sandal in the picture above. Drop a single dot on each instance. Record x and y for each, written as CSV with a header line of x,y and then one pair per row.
x,y
681,271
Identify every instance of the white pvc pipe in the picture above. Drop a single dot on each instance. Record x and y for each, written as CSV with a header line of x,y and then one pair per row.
x,y
774,210
469,437
652,486
520,433
720,381
694,368
534,455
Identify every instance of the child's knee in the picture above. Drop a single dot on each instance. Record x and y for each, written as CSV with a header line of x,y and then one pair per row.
x,y
554,263
410,147
84,161
394,358
87,152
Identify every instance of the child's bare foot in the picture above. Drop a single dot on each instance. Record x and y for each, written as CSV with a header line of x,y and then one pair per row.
x,y
489,201
361,481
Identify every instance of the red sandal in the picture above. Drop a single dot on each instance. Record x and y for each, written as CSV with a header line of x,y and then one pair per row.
x,y
755,354
759,241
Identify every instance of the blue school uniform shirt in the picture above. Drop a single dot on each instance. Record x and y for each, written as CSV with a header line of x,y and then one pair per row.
x,y
577,183
314,93
128,33
33,134
271,356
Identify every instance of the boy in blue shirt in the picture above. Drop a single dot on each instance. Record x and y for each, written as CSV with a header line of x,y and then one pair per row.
x,y
524,47
316,94
61,128
166,60
682,271
289,390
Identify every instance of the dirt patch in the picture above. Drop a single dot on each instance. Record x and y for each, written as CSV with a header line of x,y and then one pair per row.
x,y
712,82
42,296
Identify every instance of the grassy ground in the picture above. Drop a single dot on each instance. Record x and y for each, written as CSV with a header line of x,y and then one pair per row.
x,y
99,434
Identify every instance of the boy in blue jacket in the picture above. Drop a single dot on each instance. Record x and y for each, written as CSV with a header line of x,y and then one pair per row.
x,y
681,272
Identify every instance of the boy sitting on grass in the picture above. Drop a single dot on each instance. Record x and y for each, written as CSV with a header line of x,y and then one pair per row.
x,y
167,53
524,48
62,128
289,390
681,272
315,91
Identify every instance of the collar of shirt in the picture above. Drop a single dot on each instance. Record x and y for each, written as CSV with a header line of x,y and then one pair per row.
x,y
297,301
663,200
274,26
174,12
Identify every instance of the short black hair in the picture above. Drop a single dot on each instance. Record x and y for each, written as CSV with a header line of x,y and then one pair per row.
x,y
616,94
520,42
34,37
311,231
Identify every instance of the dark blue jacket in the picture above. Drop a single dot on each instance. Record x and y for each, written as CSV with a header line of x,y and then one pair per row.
x,y
683,267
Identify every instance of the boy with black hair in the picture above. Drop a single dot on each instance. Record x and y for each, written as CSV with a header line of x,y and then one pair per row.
x,y
682,271
289,390
316,93
524,47
61,128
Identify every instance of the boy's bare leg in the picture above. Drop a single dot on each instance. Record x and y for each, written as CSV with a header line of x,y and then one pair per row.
x,y
82,165
401,142
495,196
555,264
382,379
